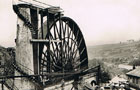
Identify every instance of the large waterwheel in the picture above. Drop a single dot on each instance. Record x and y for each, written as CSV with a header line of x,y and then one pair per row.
x,y
59,49
66,50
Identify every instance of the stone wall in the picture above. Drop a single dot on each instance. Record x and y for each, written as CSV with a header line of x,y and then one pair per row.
x,y
24,55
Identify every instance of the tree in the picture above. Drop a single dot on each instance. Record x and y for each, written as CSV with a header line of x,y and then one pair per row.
x,y
105,77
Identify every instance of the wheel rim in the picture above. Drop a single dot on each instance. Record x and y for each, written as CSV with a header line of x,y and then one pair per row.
x,y
70,54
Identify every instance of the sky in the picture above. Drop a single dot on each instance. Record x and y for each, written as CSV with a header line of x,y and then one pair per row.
x,y
101,21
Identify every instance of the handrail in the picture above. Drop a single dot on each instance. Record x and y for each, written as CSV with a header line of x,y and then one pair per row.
x,y
23,67
9,83
16,8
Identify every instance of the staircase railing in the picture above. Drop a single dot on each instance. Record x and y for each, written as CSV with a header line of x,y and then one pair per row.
x,y
10,85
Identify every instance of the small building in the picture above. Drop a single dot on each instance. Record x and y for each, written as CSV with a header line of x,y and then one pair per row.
x,y
134,78
131,41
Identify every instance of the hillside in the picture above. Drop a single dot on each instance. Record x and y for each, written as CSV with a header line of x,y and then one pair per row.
x,y
6,57
124,51
110,56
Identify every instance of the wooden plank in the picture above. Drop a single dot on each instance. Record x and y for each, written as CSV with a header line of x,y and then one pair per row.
x,y
43,40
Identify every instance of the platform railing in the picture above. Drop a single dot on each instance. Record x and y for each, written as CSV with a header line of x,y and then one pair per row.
x,y
35,3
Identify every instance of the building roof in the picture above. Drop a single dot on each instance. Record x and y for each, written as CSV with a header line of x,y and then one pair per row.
x,y
135,73
117,79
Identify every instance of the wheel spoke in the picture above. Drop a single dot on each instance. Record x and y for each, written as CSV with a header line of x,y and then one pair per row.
x,y
72,41
53,56
56,45
75,53
77,35
82,61
68,33
63,44
54,32
80,43
44,54
82,51
57,30
64,30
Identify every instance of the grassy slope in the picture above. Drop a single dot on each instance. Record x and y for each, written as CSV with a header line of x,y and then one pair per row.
x,y
125,50
110,55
